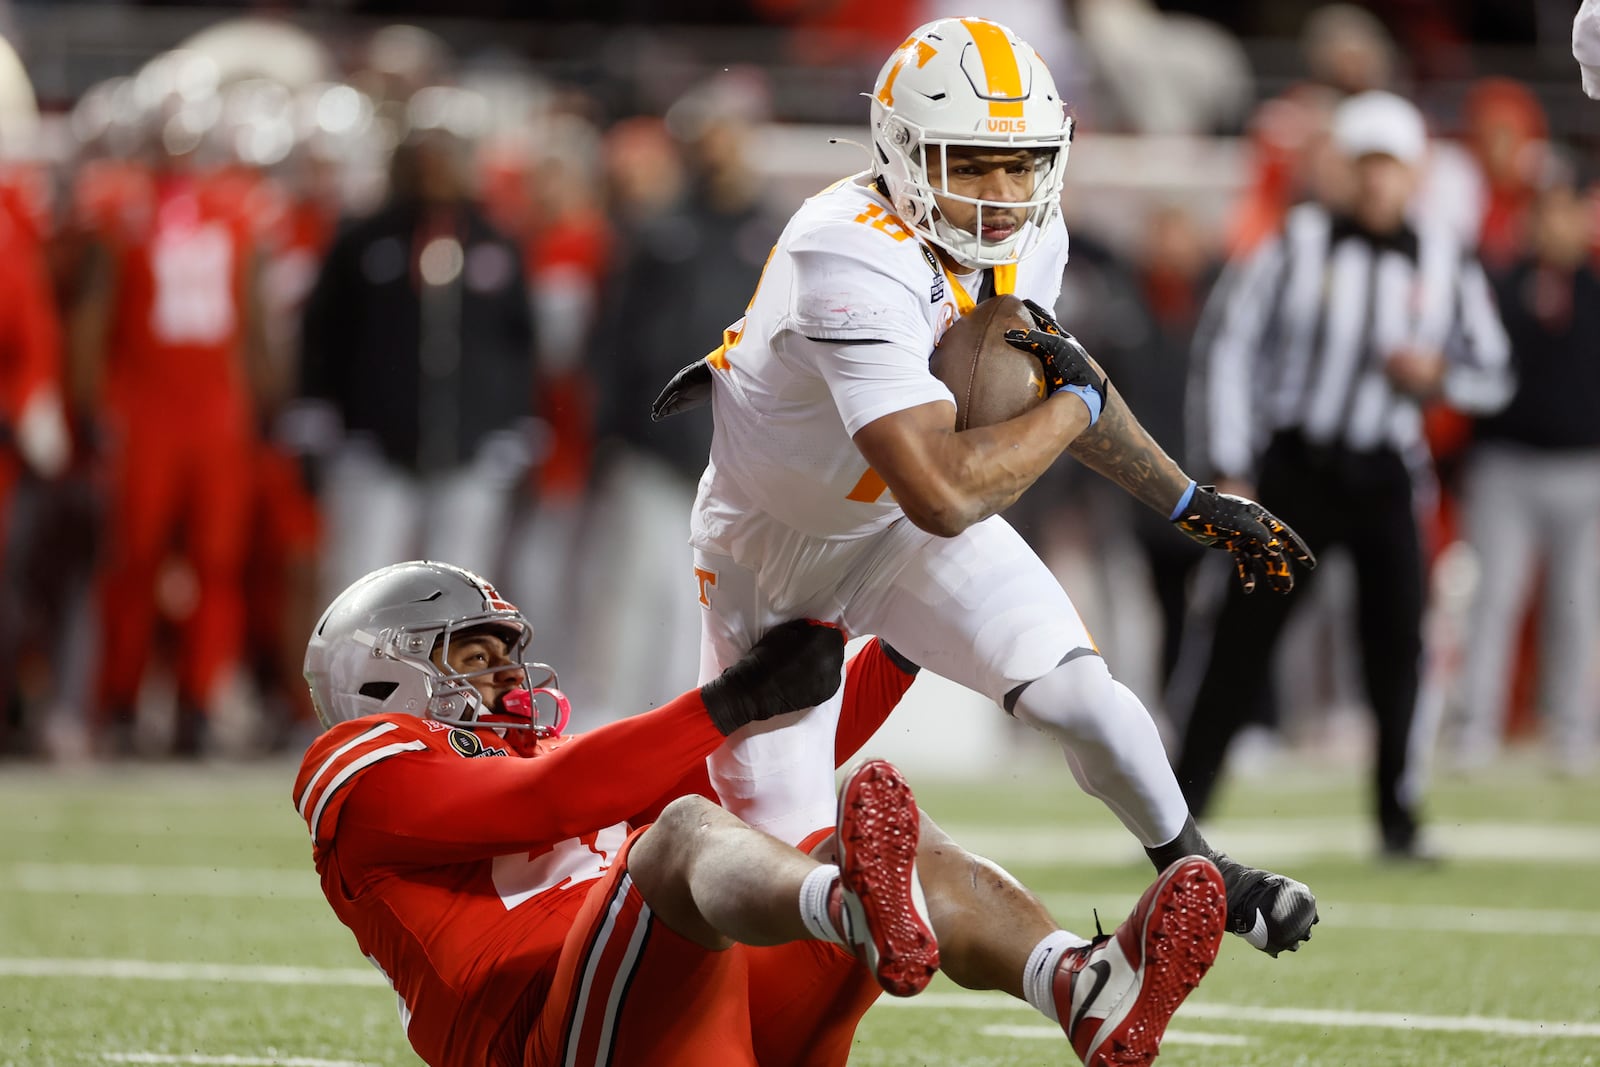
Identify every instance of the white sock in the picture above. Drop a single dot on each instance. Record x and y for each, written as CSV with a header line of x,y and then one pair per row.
x,y
814,893
1039,975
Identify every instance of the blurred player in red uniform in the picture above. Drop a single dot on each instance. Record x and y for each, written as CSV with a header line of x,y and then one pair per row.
x,y
33,428
164,335
535,898
31,417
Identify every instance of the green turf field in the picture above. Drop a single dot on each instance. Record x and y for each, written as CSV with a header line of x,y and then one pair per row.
x,y
162,915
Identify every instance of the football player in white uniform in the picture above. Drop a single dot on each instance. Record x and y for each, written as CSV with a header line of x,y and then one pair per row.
x,y
839,489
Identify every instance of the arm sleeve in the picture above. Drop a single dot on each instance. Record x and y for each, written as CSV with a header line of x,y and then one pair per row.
x,y
1478,379
429,811
1230,368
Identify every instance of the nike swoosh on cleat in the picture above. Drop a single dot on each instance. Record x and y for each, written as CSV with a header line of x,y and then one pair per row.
x,y
1102,972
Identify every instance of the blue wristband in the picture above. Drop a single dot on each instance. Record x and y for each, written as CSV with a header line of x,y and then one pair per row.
x,y
1183,502
1091,399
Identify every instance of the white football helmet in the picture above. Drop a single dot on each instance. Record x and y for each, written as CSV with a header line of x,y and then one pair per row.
x,y
372,651
967,82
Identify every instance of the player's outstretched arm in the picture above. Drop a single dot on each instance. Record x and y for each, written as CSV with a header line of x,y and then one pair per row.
x,y
411,809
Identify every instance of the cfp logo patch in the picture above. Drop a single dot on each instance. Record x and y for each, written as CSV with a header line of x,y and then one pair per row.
x,y
466,743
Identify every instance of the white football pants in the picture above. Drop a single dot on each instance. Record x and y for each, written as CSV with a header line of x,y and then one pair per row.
x,y
979,609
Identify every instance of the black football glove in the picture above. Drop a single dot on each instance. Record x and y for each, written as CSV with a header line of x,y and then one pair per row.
x,y
1066,365
690,388
1047,322
1262,544
795,665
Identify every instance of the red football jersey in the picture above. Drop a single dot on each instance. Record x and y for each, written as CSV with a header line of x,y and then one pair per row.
x,y
459,865
182,252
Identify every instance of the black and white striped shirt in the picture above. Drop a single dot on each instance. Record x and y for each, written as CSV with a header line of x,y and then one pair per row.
x,y
1305,324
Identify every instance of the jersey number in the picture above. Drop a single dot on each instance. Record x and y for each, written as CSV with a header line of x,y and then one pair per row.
x,y
194,297
524,875
883,222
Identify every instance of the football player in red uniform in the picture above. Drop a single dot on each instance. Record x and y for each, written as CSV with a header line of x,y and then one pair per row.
x,y
166,338
33,430
535,898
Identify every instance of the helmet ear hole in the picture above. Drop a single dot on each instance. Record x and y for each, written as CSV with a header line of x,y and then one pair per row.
x,y
378,690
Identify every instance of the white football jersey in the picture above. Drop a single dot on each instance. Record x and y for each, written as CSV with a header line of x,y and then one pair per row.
x,y
795,380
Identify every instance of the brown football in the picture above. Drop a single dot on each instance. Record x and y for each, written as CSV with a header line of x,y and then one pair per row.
x,y
992,381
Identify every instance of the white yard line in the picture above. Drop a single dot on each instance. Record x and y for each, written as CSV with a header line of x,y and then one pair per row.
x,y
1265,841
1328,1018
1192,1010
83,879
1284,841
199,1059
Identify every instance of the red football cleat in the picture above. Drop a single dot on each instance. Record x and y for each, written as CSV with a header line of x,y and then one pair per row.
x,y
1115,995
885,915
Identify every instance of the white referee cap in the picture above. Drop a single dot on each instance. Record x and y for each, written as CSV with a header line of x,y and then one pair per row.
x,y
1380,122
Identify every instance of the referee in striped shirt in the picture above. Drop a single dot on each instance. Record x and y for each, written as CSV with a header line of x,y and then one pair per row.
x,y
1328,340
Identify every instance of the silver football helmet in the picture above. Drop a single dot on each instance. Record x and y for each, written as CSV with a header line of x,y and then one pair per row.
x,y
959,83
373,652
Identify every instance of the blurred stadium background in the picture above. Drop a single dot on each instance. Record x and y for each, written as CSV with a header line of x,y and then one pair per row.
x,y
640,157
